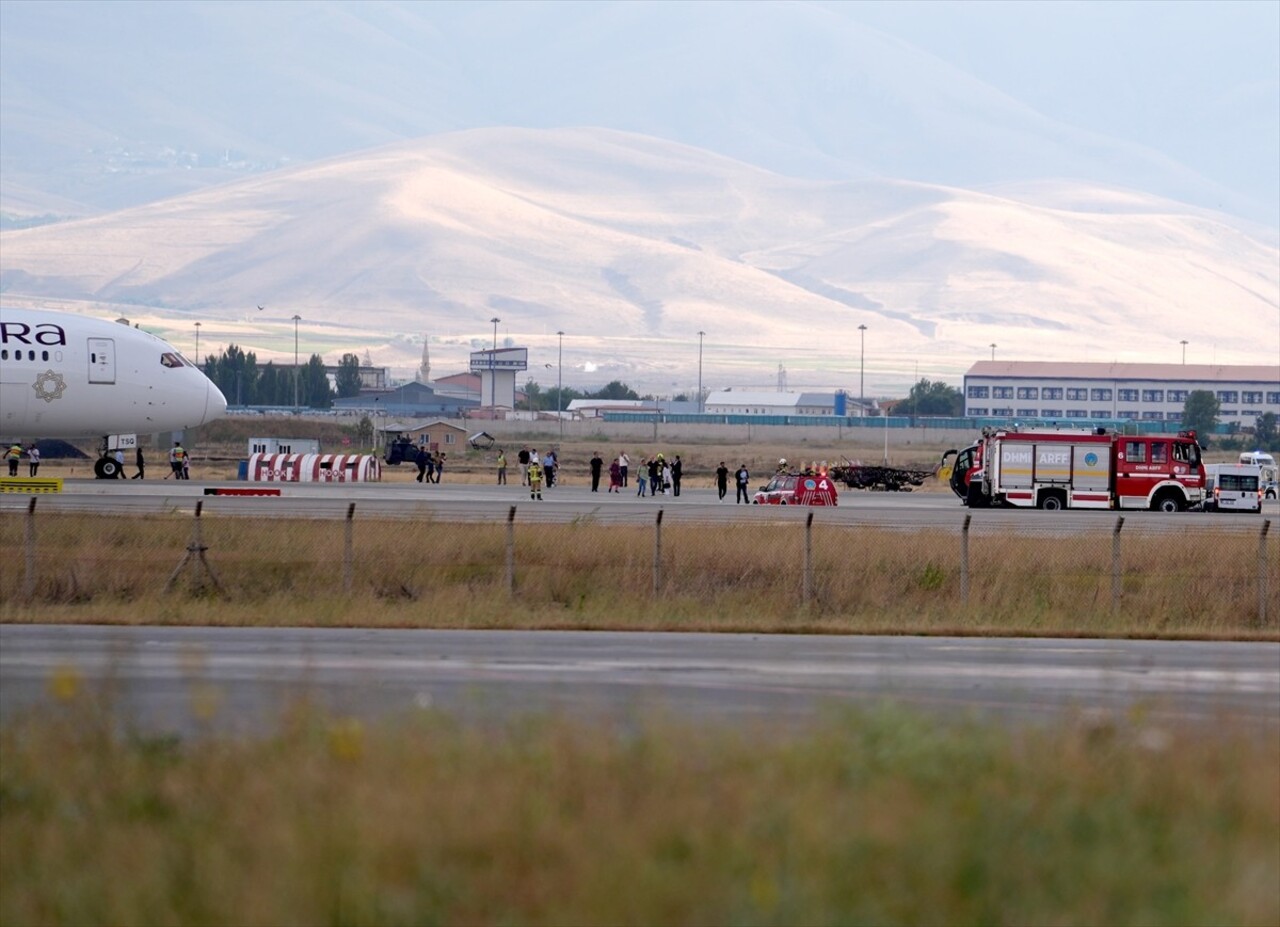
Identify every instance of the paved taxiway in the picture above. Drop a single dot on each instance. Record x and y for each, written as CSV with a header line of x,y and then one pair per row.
x,y
163,679
575,502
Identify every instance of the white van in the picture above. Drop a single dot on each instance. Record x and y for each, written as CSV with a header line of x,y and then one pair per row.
x,y
1233,488
1257,459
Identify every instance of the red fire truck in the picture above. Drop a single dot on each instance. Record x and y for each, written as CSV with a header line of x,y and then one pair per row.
x,y
1060,468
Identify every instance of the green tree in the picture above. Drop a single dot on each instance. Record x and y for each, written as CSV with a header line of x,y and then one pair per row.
x,y
933,398
348,379
533,395
1200,414
614,390
316,391
1266,431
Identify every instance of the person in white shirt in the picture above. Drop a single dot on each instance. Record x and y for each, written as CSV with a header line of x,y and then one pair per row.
x,y
623,463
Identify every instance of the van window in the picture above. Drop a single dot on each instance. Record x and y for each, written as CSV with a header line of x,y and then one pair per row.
x,y
1237,482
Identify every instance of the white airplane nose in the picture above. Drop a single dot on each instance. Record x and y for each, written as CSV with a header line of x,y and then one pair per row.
x,y
215,404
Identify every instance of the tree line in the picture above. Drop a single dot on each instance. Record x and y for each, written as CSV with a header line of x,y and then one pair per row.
x,y
246,382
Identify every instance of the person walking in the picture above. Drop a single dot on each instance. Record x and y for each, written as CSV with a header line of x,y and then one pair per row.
x,y
641,480
623,463
743,478
502,467
666,479
615,477
439,466
139,463
535,480
421,459
186,465
13,455
33,459
522,459
655,475
597,466
175,460
550,467
677,471
119,456
722,480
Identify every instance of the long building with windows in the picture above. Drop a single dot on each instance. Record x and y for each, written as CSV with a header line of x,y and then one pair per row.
x,y
1137,392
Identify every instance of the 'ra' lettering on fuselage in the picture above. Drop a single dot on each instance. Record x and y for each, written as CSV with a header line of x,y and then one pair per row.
x,y
45,334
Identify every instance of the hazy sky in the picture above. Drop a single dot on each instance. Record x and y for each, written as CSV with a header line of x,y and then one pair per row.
x,y
1197,80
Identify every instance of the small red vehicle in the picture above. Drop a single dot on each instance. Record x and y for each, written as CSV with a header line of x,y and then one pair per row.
x,y
798,489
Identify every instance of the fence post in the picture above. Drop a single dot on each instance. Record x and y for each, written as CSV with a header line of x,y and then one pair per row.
x,y
1117,584
195,555
348,551
29,548
964,561
511,551
1262,570
808,559
657,556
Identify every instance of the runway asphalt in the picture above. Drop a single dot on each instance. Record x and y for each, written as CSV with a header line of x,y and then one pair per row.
x,y
193,680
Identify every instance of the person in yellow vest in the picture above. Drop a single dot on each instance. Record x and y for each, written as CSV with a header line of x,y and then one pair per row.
x,y
177,460
13,455
535,480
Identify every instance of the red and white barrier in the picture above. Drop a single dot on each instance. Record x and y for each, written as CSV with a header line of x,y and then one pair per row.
x,y
314,468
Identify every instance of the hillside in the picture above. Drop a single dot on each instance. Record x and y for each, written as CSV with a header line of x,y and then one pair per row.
x,y
631,245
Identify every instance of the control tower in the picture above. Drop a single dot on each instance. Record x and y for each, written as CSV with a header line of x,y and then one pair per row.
x,y
497,370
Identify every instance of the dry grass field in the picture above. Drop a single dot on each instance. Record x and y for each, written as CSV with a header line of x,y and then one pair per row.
x,y
872,817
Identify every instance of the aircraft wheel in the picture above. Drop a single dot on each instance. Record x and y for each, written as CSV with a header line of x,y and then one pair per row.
x,y
106,469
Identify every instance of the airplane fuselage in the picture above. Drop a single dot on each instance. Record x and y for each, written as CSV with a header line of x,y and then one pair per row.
x,y
68,376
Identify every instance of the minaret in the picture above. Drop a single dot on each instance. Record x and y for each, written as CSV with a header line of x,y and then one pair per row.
x,y
424,371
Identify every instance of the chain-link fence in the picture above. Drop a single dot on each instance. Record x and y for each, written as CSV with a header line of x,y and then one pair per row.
x,y
1157,575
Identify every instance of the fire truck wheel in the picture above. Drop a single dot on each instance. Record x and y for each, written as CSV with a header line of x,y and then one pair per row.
x,y
1052,502
1167,503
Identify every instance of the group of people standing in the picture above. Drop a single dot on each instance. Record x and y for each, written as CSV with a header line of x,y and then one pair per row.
x,y
179,461
16,452
659,476
654,475
534,470
430,466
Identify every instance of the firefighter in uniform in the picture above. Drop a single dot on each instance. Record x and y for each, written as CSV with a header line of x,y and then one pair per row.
x,y
535,480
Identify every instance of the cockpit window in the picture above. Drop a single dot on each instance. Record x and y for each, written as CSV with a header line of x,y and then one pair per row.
x,y
169,359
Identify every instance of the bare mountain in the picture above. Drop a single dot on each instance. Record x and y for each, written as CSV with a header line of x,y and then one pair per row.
x,y
631,245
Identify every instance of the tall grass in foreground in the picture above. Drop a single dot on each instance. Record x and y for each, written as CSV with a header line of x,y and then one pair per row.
x,y
582,575
877,817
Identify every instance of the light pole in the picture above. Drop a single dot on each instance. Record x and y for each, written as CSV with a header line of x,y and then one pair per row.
x,y
296,320
1184,350
993,350
493,386
197,344
560,386
862,370
700,336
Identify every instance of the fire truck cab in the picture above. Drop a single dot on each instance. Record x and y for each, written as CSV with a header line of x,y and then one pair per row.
x,y
1058,469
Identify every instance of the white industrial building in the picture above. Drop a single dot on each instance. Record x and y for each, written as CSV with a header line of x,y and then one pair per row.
x,y
766,402
1137,392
